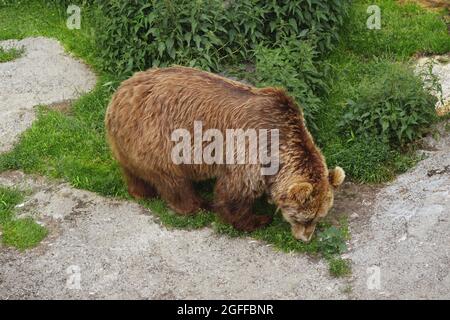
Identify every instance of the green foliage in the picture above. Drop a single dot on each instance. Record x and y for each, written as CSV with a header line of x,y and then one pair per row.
x,y
20,233
292,66
135,35
272,22
393,106
331,240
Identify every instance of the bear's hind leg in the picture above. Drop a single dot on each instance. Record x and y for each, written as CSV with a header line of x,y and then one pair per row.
x,y
180,195
235,208
138,188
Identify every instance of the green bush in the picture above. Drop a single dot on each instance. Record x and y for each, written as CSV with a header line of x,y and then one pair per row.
x,y
135,35
394,105
273,22
292,66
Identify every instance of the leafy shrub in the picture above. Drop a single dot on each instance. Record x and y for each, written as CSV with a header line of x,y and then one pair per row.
x,y
139,34
396,106
273,22
292,67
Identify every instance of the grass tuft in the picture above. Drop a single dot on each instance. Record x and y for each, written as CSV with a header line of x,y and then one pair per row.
x,y
20,233
339,267
23,233
7,55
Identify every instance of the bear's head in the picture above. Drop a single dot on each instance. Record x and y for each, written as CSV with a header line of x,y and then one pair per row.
x,y
303,203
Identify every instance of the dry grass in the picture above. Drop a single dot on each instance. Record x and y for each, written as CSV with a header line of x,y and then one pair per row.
x,y
434,4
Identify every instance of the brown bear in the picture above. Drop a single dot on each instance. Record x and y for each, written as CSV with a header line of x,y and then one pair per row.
x,y
149,107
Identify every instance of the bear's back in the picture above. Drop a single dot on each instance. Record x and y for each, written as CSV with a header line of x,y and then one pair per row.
x,y
147,108
173,98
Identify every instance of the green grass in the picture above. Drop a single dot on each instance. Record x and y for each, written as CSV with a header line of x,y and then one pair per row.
x,y
339,267
10,54
23,233
406,29
19,233
72,146
9,198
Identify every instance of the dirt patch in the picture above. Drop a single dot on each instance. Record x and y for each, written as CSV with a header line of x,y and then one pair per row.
x,y
63,107
430,4
355,202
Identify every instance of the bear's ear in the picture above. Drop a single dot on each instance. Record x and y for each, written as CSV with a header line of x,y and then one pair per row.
x,y
300,191
336,176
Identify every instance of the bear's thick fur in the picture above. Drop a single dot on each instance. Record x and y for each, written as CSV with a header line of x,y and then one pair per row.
x,y
148,107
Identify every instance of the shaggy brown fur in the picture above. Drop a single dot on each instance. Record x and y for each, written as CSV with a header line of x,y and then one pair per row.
x,y
149,106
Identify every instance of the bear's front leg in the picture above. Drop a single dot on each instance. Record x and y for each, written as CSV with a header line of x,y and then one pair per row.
x,y
234,205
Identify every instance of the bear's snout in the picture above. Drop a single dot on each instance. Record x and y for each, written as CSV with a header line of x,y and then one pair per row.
x,y
303,232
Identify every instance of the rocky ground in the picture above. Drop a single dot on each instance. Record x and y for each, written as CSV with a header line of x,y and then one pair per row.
x,y
104,248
